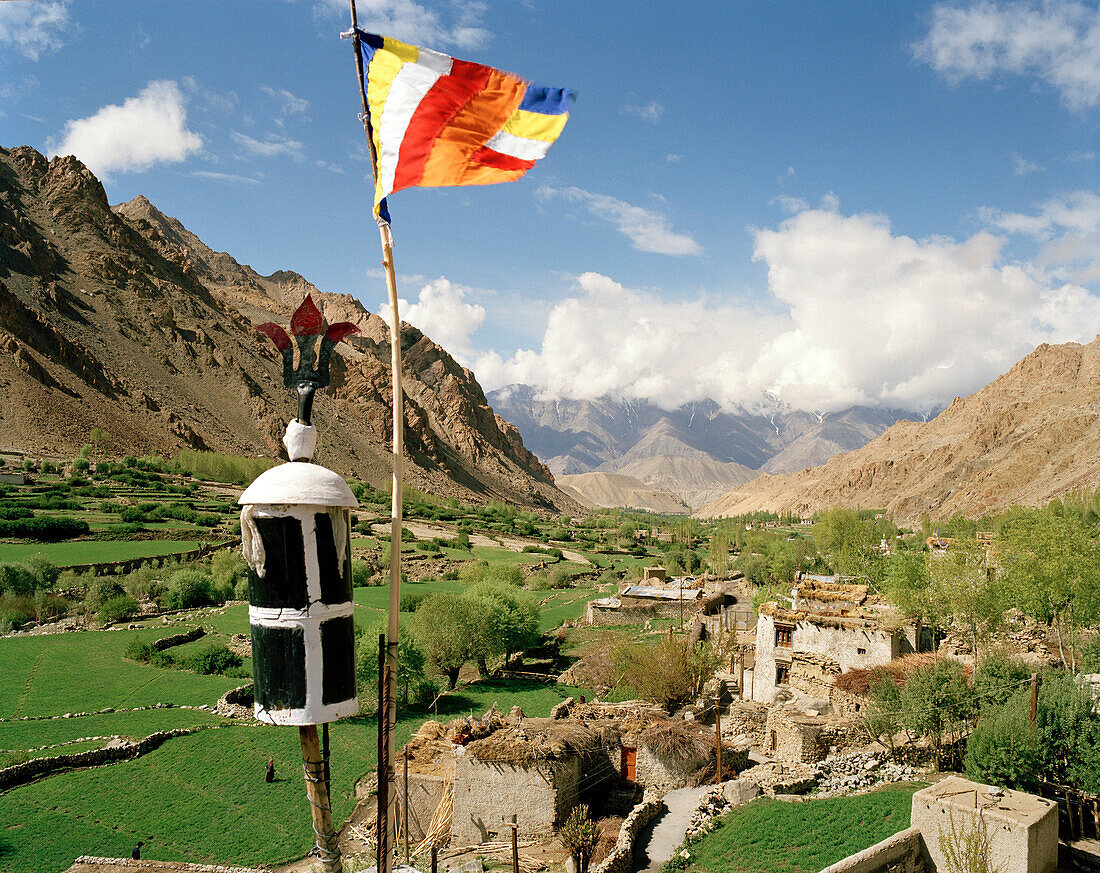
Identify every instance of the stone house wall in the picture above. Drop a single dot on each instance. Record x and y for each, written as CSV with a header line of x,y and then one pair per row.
x,y
425,793
849,646
632,614
808,739
540,794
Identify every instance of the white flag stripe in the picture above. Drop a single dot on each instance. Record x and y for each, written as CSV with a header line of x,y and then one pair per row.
x,y
412,82
519,146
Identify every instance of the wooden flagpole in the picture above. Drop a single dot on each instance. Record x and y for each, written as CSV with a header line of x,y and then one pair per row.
x,y
386,767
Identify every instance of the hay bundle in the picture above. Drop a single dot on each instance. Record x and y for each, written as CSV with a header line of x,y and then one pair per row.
x,y
679,741
898,671
535,741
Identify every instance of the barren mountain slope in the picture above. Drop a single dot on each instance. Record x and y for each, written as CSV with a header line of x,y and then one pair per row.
x,y
694,480
1028,437
613,489
125,320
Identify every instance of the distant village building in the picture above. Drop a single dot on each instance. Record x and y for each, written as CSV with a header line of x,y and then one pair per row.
x,y
799,737
829,627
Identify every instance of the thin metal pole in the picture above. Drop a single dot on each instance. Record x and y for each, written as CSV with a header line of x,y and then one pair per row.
x,y
382,826
1034,701
406,804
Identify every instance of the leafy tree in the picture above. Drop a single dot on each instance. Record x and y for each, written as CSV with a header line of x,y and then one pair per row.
x,y
907,584
997,678
508,620
967,587
410,662
1052,565
117,608
1063,748
669,672
444,626
187,589
936,703
99,438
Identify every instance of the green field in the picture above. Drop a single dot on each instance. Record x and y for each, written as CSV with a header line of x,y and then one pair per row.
x,y
774,836
71,552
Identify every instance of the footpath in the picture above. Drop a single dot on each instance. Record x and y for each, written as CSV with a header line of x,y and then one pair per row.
x,y
659,839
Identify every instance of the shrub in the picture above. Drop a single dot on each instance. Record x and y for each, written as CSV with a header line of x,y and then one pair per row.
x,y
136,650
143,584
100,590
187,589
667,673
561,578
117,608
165,660
212,659
509,574
44,527
579,834
410,601
361,574
539,581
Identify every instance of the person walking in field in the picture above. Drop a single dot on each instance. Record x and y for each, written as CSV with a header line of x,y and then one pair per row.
x,y
135,853
270,770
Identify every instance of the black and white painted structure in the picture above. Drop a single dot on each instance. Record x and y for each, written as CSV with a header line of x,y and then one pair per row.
x,y
295,528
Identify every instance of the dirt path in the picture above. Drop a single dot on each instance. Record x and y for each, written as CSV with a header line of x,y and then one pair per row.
x,y
659,840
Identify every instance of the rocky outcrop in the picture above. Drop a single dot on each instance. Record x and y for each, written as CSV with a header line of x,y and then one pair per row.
x,y
123,319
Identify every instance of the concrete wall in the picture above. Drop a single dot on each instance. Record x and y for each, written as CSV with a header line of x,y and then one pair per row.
x,y
1023,828
840,644
904,852
540,794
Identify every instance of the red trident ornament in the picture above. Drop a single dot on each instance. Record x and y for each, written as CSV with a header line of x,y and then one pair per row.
x,y
307,325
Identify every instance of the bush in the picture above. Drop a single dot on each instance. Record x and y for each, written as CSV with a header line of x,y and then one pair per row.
x,y
165,660
561,578
361,574
410,601
212,659
44,527
143,584
136,650
117,608
9,512
668,673
99,591
187,589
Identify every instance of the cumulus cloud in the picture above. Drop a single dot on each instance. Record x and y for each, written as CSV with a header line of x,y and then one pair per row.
x,y
1068,228
442,313
411,22
1057,41
856,314
144,130
274,146
650,112
33,29
649,231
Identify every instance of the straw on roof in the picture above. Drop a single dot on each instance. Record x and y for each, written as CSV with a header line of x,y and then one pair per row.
x,y
533,741
859,681
677,740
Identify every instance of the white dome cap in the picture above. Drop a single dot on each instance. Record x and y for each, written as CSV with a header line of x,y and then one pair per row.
x,y
299,482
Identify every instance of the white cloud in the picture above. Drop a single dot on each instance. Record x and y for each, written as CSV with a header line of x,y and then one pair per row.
x,y
274,146
674,158
230,178
649,231
1057,41
650,112
145,130
442,313
1022,167
289,104
411,22
856,315
33,29
1069,229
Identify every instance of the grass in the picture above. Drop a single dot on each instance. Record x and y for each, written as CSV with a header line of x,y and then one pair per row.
x,y
773,836
70,552
202,798
135,725
84,672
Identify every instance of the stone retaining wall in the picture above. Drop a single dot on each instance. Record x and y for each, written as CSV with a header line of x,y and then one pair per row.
x,y
168,866
621,859
119,568
36,768
188,636
904,852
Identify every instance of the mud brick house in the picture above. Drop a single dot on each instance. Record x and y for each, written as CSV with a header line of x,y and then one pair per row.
x,y
829,627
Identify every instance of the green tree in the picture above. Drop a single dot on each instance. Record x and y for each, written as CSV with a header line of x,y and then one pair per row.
x,y
669,672
507,619
968,589
1051,563
936,703
444,627
99,438
410,662
907,584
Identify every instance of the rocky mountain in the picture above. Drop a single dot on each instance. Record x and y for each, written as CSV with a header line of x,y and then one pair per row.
x,y
697,452
614,489
1031,435
123,319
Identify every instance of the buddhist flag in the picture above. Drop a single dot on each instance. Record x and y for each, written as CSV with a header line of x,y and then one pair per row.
x,y
439,121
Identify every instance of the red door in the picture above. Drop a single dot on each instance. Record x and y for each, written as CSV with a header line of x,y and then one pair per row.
x,y
628,764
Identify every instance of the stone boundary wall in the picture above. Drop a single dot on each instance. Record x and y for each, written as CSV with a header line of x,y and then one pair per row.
x,y
621,859
36,768
904,852
106,711
167,866
637,613
188,636
118,568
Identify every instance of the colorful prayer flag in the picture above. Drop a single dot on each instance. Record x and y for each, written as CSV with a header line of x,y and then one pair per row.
x,y
439,121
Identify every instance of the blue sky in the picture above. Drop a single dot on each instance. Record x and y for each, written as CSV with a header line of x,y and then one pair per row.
x,y
836,203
